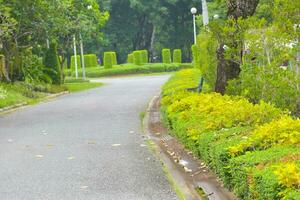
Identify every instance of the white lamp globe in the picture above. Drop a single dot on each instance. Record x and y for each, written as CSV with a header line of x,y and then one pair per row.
x,y
193,10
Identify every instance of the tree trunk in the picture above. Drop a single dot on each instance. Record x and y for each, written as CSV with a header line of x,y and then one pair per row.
x,y
228,69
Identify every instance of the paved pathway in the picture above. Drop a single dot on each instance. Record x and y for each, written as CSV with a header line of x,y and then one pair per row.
x,y
83,146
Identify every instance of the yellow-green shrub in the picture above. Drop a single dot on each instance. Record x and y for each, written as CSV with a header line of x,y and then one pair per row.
x,y
284,131
130,58
177,56
108,60
137,57
166,56
144,56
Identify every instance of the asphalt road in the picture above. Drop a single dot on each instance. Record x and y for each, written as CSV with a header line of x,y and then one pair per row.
x,y
83,146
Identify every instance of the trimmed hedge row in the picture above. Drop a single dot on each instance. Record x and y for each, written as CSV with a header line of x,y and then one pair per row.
x,y
90,60
134,69
109,59
253,148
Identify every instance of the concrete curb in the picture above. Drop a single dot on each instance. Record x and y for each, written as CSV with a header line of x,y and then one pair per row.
x,y
194,178
18,106
186,189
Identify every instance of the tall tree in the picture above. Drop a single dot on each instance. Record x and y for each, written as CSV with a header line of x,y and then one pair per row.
x,y
229,66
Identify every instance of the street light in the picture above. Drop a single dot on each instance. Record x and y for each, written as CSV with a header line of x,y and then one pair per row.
x,y
194,12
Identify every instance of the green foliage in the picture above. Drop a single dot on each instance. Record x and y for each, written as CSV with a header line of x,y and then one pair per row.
x,y
77,87
137,57
109,59
177,56
195,53
52,63
206,57
254,148
90,60
73,62
145,56
130,58
134,69
166,56
114,58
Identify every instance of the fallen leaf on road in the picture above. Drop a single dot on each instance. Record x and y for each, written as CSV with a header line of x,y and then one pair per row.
x,y
183,162
91,142
10,140
116,145
71,158
84,187
143,145
50,145
131,132
39,156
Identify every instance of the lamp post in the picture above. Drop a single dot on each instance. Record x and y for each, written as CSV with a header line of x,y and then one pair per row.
x,y
89,7
194,12
75,55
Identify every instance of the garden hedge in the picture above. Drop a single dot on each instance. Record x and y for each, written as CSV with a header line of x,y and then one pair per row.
x,y
137,57
166,56
134,69
177,56
253,148
130,58
145,56
51,61
109,60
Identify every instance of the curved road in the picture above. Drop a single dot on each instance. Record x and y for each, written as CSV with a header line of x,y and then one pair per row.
x,y
83,146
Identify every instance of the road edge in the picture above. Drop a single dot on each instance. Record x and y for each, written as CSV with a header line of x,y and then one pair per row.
x,y
183,190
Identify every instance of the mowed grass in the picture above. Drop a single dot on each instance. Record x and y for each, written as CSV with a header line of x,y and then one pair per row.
x,y
77,87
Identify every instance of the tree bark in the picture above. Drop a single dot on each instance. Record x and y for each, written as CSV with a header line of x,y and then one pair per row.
x,y
228,69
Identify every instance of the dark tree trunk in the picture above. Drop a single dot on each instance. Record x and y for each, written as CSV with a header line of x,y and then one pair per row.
x,y
229,69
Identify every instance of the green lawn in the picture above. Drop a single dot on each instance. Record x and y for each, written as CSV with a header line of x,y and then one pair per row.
x,y
77,87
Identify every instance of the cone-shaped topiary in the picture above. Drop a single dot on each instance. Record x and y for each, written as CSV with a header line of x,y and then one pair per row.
x,y
177,56
51,62
166,55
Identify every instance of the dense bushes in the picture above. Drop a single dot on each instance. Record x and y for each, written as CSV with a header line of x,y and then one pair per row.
x,y
252,147
109,60
134,69
166,56
177,56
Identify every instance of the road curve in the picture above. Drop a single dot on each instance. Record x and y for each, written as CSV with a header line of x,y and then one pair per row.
x,y
83,146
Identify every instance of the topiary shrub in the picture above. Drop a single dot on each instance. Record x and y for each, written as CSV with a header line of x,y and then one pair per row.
x,y
166,55
51,62
108,60
130,58
137,57
73,62
145,56
90,60
114,58
177,56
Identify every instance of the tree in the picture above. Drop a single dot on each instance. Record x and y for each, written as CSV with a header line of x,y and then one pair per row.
x,y
229,65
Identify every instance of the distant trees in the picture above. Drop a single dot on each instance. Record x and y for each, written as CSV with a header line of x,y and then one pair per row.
x,y
150,25
27,26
